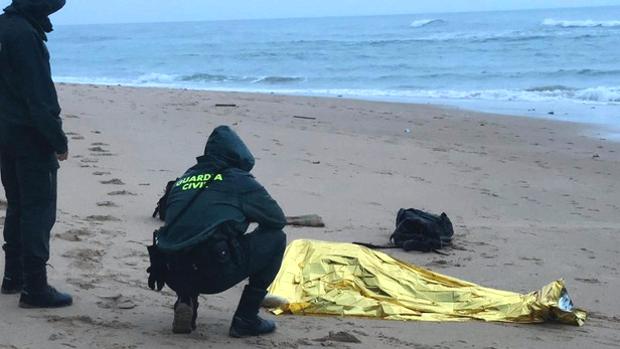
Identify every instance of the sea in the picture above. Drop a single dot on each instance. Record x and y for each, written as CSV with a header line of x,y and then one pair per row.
x,y
559,63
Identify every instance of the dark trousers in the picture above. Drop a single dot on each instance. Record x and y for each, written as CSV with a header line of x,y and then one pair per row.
x,y
222,264
28,169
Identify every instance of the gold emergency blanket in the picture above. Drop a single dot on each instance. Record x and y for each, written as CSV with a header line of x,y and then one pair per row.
x,y
326,278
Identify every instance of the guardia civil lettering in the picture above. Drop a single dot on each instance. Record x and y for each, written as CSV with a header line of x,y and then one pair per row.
x,y
198,181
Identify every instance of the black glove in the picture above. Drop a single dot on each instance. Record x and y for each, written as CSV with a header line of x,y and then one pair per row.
x,y
156,280
157,270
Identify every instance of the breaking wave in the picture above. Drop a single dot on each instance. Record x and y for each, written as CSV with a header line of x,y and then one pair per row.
x,y
588,23
424,22
195,80
595,95
157,78
278,80
469,37
549,88
205,77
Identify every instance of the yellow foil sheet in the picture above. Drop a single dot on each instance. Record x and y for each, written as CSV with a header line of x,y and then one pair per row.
x,y
326,278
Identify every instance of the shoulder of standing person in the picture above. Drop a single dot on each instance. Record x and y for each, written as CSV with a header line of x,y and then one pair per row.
x,y
17,25
18,33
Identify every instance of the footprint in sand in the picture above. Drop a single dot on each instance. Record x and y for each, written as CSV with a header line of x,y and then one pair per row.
x,y
106,204
101,173
55,337
121,192
116,301
488,192
340,337
82,283
110,233
114,181
527,198
97,149
77,320
102,218
418,179
593,281
74,135
74,235
85,258
536,261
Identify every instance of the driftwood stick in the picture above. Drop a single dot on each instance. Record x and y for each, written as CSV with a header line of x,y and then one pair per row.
x,y
225,105
304,117
311,220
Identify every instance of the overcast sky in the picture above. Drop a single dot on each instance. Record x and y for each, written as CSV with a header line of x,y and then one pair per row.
x,y
131,11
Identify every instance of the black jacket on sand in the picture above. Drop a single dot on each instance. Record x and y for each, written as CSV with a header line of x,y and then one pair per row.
x,y
27,93
229,197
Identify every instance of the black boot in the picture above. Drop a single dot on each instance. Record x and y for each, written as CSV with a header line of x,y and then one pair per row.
x,y
13,281
38,294
185,313
246,321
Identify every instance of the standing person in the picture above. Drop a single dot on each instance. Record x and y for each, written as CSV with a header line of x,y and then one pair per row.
x,y
31,144
204,246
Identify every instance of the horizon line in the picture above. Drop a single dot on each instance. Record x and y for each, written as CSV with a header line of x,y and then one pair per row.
x,y
331,16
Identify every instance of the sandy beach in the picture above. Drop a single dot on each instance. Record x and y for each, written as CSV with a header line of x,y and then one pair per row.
x,y
531,201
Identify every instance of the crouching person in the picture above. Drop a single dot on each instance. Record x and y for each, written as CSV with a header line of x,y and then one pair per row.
x,y
203,247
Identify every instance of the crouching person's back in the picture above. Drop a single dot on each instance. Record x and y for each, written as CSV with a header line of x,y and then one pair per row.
x,y
204,241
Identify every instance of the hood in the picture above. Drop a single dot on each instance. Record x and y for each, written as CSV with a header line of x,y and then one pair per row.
x,y
37,12
38,8
225,149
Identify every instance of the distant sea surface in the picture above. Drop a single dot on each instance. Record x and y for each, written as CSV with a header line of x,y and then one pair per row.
x,y
561,64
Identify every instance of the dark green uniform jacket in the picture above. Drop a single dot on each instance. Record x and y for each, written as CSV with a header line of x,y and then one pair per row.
x,y
27,94
230,200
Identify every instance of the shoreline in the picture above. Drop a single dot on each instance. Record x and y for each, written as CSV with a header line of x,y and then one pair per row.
x,y
594,129
531,201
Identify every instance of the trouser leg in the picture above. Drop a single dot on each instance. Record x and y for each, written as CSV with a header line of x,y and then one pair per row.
x,y
12,235
265,250
182,278
29,168
37,185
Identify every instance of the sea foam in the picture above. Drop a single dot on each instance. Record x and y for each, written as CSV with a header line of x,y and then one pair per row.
x,y
595,95
588,23
157,78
